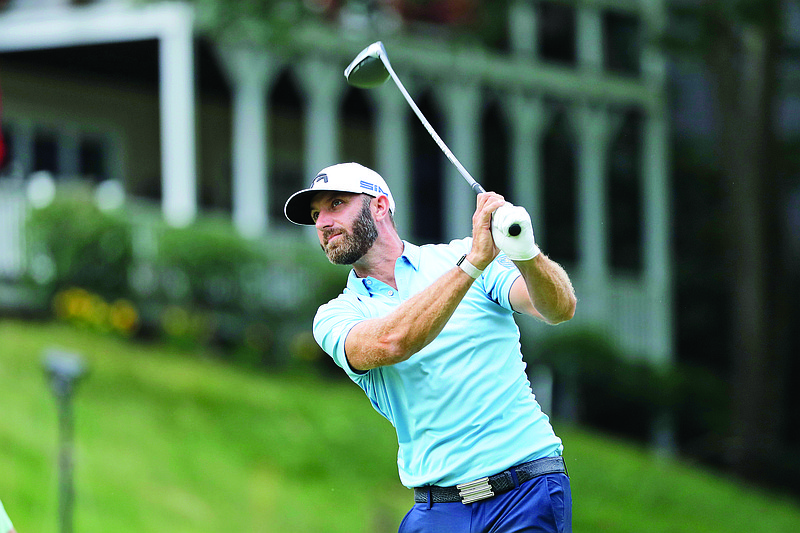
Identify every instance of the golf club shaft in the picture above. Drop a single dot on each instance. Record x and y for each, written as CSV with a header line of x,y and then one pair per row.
x,y
463,171
376,50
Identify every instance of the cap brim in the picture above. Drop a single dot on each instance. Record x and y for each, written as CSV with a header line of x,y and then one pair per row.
x,y
298,207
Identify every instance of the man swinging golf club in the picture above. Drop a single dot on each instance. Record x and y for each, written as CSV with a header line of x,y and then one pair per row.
x,y
428,333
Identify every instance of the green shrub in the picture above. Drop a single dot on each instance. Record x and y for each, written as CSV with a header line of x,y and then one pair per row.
x,y
73,243
195,286
619,392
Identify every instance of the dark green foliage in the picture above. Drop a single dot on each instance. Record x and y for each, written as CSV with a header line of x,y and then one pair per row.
x,y
196,286
618,392
75,244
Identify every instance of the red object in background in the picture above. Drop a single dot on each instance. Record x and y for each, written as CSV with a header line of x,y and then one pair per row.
x,y
442,12
445,12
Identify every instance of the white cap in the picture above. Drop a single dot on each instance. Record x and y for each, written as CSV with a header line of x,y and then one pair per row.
x,y
345,177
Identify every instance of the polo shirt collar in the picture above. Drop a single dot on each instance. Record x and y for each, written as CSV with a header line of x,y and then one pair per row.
x,y
411,252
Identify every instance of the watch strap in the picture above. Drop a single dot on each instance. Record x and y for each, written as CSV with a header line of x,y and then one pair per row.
x,y
468,267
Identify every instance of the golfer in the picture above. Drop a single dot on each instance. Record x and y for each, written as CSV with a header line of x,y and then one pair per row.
x,y
428,333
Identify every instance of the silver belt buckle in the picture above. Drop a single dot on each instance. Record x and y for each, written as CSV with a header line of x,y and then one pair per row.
x,y
475,490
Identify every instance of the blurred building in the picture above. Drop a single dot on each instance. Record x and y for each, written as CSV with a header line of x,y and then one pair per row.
x,y
563,110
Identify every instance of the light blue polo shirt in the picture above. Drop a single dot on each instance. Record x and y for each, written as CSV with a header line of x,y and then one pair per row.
x,y
5,522
462,406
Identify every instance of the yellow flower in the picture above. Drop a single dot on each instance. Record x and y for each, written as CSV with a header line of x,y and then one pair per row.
x,y
79,303
123,317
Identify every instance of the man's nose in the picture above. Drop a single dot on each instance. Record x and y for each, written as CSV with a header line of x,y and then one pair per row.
x,y
323,220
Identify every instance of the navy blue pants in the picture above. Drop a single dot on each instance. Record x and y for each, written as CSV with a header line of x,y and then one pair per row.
x,y
540,505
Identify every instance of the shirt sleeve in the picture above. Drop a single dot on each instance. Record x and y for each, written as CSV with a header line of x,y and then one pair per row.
x,y
332,324
498,278
5,522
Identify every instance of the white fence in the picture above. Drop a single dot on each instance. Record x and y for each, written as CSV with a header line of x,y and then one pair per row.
x,y
630,316
13,214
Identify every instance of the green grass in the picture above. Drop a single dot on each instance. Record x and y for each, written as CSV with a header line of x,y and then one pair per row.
x,y
174,441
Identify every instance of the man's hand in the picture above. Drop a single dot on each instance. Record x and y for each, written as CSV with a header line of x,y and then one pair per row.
x,y
520,247
484,249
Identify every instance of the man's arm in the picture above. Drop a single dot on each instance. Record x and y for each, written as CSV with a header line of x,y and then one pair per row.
x,y
410,327
544,290
417,321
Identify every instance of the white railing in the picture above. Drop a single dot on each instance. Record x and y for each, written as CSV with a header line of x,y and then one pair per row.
x,y
13,214
623,310
629,319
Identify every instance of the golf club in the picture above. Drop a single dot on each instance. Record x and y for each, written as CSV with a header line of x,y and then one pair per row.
x,y
370,69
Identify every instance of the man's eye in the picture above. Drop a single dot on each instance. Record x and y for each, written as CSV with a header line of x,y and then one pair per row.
x,y
314,216
336,202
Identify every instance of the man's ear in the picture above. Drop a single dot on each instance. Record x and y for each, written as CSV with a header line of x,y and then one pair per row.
x,y
381,204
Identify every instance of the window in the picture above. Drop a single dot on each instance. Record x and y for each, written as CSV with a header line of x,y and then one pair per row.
x,y
286,135
426,172
496,157
557,32
622,43
93,160
357,136
560,191
625,195
45,152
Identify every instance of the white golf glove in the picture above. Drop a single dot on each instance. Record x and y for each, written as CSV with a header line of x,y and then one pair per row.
x,y
520,247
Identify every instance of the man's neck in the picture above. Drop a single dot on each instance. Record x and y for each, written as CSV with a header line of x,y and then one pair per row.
x,y
380,260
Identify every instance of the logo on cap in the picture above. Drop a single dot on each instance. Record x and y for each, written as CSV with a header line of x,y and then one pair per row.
x,y
370,187
320,177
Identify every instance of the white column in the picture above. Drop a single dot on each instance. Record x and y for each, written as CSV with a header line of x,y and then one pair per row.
x,y
656,201
463,108
589,35
393,153
657,263
249,71
529,118
13,246
523,28
323,85
177,99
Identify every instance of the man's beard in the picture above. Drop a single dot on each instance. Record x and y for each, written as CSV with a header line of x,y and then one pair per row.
x,y
350,247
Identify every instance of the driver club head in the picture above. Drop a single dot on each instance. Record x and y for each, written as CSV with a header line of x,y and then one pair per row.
x,y
368,69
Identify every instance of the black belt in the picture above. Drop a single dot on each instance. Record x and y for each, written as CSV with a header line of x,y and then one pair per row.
x,y
487,487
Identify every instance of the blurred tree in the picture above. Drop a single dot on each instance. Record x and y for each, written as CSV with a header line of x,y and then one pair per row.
x,y
269,21
254,21
740,43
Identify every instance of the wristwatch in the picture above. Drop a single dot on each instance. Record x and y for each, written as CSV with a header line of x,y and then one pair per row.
x,y
468,267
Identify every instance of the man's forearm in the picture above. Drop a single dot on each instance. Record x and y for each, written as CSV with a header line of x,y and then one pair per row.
x,y
548,288
410,327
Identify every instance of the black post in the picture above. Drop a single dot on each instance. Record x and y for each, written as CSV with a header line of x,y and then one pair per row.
x,y
64,369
